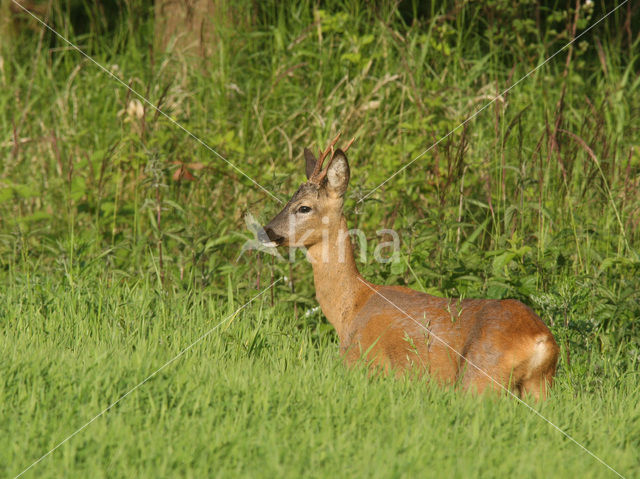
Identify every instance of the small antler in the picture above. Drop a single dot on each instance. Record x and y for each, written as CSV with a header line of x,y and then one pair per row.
x,y
349,144
318,173
316,177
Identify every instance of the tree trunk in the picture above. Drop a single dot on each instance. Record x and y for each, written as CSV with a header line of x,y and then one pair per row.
x,y
13,18
189,26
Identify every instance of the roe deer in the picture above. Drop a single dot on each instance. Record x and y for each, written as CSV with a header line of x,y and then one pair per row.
x,y
480,343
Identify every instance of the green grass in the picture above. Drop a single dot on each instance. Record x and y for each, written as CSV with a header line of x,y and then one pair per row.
x,y
263,397
511,206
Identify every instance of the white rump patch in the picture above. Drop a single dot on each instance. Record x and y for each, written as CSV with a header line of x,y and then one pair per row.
x,y
540,352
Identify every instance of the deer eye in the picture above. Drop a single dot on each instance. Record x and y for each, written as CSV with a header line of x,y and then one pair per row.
x,y
303,209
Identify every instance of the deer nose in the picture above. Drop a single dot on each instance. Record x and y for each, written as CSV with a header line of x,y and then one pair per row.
x,y
267,235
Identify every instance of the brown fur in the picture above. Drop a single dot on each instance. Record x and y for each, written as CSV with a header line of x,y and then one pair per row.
x,y
480,344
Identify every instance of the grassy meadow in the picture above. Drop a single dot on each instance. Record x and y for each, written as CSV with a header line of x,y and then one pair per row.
x,y
121,236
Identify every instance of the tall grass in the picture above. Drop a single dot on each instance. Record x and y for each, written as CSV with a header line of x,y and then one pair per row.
x,y
120,236
535,196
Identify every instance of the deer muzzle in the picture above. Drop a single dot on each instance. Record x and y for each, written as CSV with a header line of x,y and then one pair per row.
x,y
269,237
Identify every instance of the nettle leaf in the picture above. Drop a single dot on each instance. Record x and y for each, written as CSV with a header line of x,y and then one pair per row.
x,y
500,262
528,285
398,265
497,290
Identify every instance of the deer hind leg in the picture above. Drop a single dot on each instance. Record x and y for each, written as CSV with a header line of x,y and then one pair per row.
x,y
479,376
502,372
476,382
538,385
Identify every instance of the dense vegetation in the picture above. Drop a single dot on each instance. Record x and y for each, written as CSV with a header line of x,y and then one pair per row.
x,y
121,235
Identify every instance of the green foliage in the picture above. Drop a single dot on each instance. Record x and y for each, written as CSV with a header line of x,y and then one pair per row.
x,y
537,198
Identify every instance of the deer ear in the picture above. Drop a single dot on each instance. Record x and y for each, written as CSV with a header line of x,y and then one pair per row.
x,y
338,174
310,162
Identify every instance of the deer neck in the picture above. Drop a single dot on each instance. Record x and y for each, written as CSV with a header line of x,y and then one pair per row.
x,y
339,287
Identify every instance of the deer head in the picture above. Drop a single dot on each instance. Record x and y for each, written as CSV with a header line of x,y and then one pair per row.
x,y
317,205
